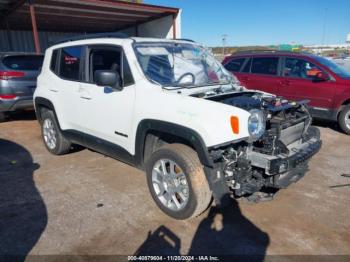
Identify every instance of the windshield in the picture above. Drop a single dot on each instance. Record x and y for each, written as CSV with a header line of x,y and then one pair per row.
x,y
340,71
180,65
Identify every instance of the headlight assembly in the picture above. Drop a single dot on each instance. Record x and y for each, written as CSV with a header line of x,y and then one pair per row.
x,y
256,124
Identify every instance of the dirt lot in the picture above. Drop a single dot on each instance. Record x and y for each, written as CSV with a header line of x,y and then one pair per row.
x,y
86,203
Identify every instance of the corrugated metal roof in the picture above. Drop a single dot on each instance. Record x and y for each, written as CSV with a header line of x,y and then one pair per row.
x,y
79,15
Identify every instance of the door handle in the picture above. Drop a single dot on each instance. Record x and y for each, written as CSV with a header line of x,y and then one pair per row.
x,y
84,94
85,97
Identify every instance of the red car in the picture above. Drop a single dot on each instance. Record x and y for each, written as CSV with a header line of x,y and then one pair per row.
x,y
297,76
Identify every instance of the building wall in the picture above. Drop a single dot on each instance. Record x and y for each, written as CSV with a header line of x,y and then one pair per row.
x,y
23,41
159,28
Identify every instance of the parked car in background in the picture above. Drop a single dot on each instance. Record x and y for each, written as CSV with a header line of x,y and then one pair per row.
x,y
18,74
297,76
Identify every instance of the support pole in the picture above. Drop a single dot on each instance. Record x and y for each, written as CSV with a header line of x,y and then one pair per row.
x,y
174,26
35,29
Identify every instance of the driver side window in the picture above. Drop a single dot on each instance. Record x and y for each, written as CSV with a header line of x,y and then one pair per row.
x,y
300,68
110,59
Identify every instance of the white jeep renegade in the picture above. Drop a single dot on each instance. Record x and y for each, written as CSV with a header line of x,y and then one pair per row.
x,y
170,108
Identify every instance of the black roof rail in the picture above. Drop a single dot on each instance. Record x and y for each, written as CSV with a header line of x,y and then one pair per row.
x,y
256,51
91,36
185,39
269,51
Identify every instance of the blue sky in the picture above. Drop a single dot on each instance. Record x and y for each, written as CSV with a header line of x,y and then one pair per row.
x,y
261,22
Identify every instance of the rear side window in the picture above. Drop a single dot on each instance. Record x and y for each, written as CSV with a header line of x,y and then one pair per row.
x,y
235,65
53,61
265,65
70,62
24,62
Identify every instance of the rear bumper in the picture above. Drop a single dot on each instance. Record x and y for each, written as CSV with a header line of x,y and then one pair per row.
x,y
19,103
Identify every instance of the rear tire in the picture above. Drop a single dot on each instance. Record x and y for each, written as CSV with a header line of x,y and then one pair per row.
x,y
344,119
3,117
186,166
52,136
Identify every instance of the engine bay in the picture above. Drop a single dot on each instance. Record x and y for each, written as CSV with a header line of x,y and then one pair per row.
x,y
268,162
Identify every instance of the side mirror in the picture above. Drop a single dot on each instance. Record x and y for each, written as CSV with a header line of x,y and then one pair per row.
x,y
108,78
320,77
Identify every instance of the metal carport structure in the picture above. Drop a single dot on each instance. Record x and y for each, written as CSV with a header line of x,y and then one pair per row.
x,y
86,16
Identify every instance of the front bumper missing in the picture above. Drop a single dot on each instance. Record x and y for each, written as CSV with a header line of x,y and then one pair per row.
x,y
299,154
260,170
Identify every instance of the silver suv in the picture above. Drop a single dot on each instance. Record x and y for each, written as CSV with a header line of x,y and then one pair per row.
x,y
18,74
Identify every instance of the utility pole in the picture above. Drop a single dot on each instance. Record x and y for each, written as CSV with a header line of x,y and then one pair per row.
x,y
224,37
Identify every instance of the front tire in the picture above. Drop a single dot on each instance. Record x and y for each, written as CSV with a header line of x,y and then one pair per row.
x,y
344,119
52,136
177,182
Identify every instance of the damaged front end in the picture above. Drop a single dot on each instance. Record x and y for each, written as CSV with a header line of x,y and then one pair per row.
x,y
276,159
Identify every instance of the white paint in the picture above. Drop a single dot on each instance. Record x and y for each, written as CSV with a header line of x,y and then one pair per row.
x,y
102,114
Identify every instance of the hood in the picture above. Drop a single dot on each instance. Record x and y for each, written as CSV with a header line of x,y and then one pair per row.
x,y
249,100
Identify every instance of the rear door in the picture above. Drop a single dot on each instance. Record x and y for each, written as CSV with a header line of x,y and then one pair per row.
x,y
65,87
262,73
298,83
23,71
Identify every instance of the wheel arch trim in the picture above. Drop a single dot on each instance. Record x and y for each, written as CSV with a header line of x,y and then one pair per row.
x,y
189,135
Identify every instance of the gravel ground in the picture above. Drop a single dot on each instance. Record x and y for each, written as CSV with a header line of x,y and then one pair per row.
x,y
85,203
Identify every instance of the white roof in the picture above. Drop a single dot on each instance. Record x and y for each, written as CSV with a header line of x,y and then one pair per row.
x,y
151,39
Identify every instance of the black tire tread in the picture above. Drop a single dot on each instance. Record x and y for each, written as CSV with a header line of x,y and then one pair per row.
x,y
194,169
341,120
3,117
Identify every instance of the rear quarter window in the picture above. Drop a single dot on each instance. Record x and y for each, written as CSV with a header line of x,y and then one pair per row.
x,y
53,62
234,65
23,62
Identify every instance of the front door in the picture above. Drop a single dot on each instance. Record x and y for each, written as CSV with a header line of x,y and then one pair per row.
x,y
298,84
108,113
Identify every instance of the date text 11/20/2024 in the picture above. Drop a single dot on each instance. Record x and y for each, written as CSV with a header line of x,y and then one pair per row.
x,y
173,258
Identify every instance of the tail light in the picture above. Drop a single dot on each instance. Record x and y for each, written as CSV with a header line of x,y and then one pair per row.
x,y
7,97
6,75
